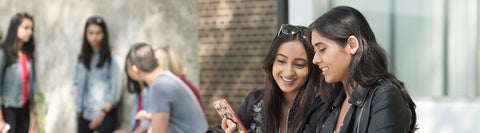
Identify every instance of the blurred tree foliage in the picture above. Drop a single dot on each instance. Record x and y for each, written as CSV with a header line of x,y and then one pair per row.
x,y
42,111
1,35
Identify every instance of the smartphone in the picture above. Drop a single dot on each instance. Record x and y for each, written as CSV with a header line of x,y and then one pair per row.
x,y
225,111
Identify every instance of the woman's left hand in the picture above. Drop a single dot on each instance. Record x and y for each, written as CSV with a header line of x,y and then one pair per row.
x,y
97,120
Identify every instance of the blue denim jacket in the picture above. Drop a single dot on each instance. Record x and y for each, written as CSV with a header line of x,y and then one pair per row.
x,y
145,103
11,91
95,87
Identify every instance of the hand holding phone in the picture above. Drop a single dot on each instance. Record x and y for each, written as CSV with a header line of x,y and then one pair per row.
x,y
225,111
5,128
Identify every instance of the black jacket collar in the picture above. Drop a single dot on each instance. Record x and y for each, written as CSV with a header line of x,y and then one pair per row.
x,y
358,98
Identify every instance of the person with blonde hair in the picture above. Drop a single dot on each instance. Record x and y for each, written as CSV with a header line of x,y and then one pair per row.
x,y
169,60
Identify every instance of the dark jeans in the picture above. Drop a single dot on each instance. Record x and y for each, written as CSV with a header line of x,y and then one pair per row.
x,y
108,125
18,118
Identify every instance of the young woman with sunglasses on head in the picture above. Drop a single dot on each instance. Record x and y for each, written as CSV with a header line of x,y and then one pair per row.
x,y
362,95
290,87
17,76
96,80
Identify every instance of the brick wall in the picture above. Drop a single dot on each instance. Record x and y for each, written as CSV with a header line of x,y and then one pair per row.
x,y
234,37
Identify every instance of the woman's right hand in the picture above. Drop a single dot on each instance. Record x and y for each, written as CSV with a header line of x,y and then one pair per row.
x,y
2,125
228,128
143,115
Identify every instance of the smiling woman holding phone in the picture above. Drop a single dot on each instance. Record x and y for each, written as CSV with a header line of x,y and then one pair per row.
x,y
290,87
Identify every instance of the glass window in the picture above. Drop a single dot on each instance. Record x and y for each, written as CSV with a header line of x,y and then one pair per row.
x,y
419,46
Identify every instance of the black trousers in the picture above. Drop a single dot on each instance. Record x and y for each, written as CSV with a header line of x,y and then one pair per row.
x,y
107,126
18,118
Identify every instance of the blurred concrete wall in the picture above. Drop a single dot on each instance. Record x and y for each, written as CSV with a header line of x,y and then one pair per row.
x,y
58,31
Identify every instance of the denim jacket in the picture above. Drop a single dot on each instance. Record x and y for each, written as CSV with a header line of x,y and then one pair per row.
x,y
96,86
145,103
11,91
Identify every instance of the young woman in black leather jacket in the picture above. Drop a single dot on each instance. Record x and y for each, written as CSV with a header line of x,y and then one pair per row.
x,y
361,94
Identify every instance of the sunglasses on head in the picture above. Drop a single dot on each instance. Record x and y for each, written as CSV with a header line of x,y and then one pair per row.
x,y
288,29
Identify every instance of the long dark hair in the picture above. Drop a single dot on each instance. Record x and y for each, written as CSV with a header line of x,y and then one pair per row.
x,y
273,96
132,85
10,46
87,50
368,64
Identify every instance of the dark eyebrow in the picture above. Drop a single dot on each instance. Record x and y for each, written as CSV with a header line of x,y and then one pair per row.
x,y
282,55
301,59
318,43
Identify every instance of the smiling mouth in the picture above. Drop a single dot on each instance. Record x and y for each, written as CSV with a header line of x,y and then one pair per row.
x,y
286,79
324,68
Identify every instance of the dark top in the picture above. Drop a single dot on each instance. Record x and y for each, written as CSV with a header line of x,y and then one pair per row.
x,y
249,113
379,108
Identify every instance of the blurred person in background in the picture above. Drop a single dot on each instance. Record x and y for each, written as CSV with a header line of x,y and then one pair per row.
x,y
140,103
96,80
173,106
169,60
17,80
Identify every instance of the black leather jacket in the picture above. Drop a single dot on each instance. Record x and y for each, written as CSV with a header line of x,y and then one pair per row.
x,y
379,109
